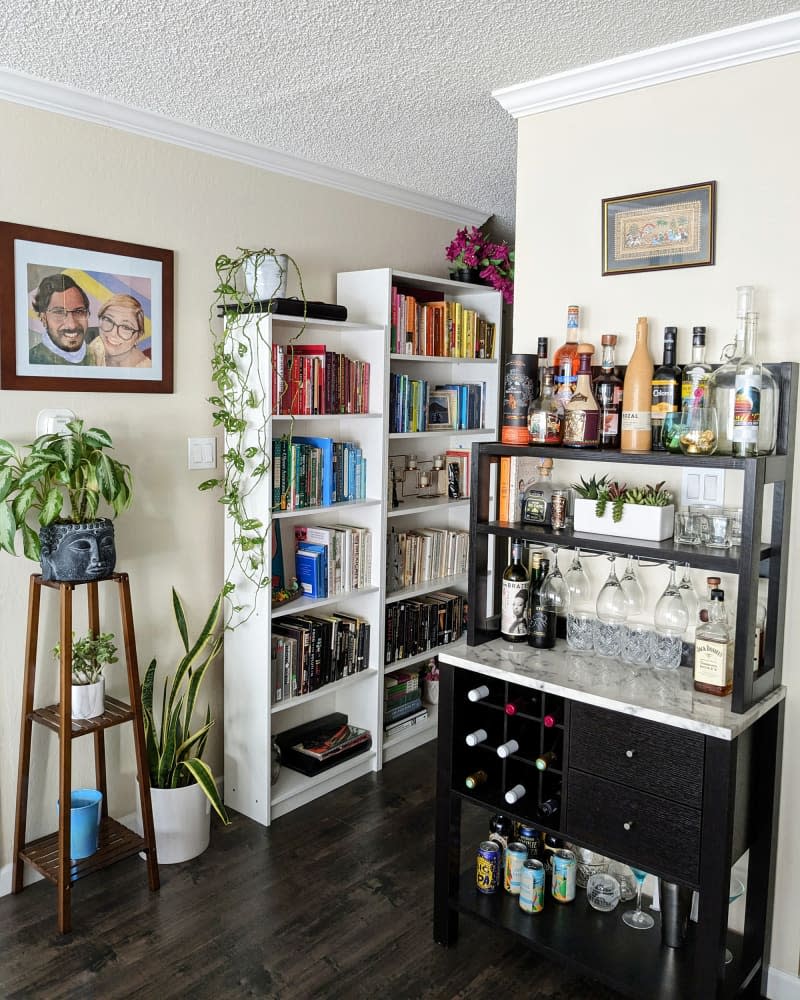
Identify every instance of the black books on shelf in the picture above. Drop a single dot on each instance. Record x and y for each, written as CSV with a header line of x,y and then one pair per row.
x,y
418,624
310,651
316,746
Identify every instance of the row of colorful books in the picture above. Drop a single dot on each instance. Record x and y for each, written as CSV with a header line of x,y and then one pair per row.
x,y
418,624
316,472
310,651
415,405
423,554
516,474
402,701
308,379
332,559
423,323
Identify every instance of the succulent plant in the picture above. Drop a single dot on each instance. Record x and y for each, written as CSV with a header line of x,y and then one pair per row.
x,y
590,490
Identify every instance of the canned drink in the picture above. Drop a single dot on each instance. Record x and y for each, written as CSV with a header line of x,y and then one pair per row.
x,y
531,838
487,867
558,510
516,856
531,886
564,873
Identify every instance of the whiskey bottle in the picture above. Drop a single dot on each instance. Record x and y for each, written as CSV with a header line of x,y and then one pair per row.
x,y
713,650
569,349
546,414
541,350
636,394
608,393
665,389
582,414
694,383
703,609
514,598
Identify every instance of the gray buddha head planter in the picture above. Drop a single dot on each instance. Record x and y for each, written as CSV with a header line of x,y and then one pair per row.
x,y
78,552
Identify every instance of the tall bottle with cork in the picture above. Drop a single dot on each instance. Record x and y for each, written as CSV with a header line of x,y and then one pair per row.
x,y
636,394
608,393
514,598
665,392
569,349
582,414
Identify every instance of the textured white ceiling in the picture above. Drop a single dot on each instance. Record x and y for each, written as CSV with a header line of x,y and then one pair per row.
x,y
397,92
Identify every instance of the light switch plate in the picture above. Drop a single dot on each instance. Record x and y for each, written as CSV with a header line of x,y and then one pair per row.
x,y
202,453
703,486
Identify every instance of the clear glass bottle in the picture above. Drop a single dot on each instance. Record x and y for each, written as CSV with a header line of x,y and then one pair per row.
x,y
636,394
748,383
722,386
536,503
694,383
713,651
564,382
514,598
582,414
546,414
665,389
608,393
569,349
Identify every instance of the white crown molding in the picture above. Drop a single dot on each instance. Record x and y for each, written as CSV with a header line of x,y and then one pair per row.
x,y
21,88
777,36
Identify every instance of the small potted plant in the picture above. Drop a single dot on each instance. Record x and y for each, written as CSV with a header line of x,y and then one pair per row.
x,y
90,653
606,507
57,484
465,253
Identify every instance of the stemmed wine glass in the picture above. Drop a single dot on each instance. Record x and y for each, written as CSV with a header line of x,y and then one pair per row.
x,y
671,616
556,585
689,594
632,589
578,587
637,918
612,612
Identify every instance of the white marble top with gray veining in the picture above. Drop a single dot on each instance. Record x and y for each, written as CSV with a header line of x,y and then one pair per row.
x,y
665,696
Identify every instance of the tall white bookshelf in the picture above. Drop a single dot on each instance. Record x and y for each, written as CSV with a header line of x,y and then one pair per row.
x,y
251,717
368,297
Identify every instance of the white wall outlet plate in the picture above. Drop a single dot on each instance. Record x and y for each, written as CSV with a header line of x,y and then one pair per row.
x,y
703,486
52,421
202,453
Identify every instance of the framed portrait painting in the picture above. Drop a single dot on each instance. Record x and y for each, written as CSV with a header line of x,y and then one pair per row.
x,y
83,314
658,230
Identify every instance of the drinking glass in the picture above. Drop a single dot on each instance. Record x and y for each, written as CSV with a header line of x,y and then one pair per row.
x,y
612,611
580,631
637,918
632,589
665,650
636,644
578,587
686,528
718,529
557,589
698,430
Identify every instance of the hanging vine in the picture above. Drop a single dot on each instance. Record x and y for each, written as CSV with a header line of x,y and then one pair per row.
x,y
240,365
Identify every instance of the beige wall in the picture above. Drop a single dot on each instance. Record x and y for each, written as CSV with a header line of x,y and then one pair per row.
x,y
67,175
733,127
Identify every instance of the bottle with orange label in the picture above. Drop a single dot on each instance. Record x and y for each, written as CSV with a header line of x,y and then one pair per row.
x,y
569,351
637,394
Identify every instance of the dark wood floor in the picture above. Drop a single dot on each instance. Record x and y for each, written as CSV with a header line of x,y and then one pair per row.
x,y
334,900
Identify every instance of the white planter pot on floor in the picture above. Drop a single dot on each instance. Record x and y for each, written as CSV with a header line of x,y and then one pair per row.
x,y
182,821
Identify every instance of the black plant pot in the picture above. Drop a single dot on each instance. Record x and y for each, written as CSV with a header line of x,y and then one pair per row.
x,y
466,274
78,553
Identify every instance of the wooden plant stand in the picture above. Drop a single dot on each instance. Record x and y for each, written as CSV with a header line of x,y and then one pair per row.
x,y
50,855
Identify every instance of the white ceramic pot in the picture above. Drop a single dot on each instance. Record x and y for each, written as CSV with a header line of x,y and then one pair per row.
x,y
88,700
638,521
268,280
182,821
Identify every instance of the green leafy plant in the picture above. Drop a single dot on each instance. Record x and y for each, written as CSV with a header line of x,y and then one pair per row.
x,y
603,492
58,478
590,490
241,369
174,748
90,654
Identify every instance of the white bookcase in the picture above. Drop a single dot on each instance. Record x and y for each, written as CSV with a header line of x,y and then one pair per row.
x,y
251,718
368,297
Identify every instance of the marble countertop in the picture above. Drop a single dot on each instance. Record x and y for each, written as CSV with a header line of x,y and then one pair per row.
x,y
665,696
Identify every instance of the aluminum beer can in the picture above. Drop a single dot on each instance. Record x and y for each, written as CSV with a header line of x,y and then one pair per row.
x,y
487,867
516,856
558,510
531,838
531,886
564,872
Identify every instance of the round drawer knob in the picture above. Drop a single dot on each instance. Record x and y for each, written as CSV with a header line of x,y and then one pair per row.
x,y
627,825
630,753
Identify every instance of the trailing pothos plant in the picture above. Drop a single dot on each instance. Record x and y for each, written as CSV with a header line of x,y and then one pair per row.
x,y
241,369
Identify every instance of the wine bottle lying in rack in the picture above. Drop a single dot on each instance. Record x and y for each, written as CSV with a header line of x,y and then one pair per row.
x,y
507,748
522,704
479,736
478,693
550,807
546,760
552,719
515,794
476,779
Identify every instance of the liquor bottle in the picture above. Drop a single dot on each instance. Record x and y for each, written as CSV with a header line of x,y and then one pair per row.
x,y
507,748
636,394
550,807
552,718
478,693
541,365
608,393
501,826
665,389
473,781
722,387
536,501
569,349
703,607
544,610
515,794
564,383
524,703
514,598
541,350
546,760
713,650
582,414
546,414
694,383
476,737
747,399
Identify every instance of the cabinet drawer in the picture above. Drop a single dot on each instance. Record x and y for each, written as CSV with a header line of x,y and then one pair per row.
x,y
650,832
645,755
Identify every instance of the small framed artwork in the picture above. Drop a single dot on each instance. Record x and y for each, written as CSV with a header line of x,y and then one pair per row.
x,y
83,314
657,230
442,413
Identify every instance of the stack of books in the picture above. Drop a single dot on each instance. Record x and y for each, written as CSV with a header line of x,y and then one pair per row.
x,y
422,323
316,472
308,379
402,701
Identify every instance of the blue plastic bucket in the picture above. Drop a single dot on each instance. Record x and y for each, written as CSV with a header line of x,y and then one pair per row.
x,y
84,822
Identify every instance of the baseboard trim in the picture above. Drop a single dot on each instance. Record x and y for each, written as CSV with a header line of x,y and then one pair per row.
x,y
776,36
30,875
782,985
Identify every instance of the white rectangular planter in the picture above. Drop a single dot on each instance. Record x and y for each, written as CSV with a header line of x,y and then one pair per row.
x,y
638,521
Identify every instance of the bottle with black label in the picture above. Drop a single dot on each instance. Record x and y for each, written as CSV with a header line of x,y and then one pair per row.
x,y
665,389
608,393
514,598
713,650
550,808
544,609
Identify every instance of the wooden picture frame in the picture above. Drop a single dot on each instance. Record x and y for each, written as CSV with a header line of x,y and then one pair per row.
x,y
660,230
105,301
